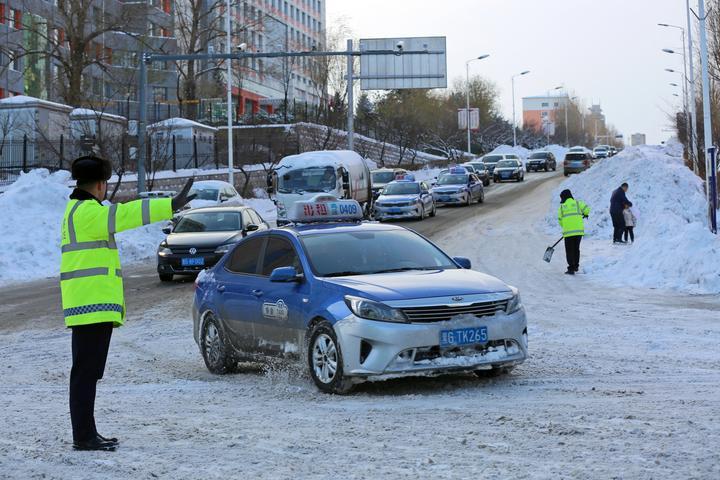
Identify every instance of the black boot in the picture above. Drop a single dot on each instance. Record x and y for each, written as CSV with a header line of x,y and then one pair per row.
x,y
570,272
95,444
109,440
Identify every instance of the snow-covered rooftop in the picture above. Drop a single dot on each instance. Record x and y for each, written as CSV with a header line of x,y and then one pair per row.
x,y
86,112
25,101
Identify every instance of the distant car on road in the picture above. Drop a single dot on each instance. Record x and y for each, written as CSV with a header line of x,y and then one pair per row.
x,y
601,152
482,172
202,236
406,198
213,192
458,188
541,161
491,160
382,176
576,162
508,170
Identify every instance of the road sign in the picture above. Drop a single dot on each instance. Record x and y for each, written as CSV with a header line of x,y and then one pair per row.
x,y
392,72
474,118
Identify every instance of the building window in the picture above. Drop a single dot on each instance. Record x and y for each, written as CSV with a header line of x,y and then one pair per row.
x,y
96,86
557,104
16,18
544,114
159,94
15,61
545,105
2,13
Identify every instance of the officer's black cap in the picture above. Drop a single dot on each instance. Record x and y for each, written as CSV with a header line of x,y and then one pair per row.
x,y
91,169
565,194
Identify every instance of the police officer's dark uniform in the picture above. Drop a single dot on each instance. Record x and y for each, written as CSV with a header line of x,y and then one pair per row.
x,y
91,283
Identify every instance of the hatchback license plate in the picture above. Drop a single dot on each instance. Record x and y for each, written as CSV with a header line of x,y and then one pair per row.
x,y
394,210
192,262
463,336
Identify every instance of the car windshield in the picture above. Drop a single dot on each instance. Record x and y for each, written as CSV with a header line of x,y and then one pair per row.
x,y
459,179
539,155
401,189
507,164
372,252
311,179
208,222
601,149
205,193
575,156
383,177
492,158
479,167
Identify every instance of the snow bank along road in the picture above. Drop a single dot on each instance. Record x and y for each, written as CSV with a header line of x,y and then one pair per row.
x,y
621,383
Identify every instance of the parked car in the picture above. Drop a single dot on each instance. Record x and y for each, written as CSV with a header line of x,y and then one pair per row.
x,y
601,152
200,238
575,162
382,176
482,172
541,161
508,170
405,198
458,188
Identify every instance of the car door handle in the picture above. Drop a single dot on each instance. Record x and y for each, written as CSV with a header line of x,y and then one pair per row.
x,y
220,288
257,293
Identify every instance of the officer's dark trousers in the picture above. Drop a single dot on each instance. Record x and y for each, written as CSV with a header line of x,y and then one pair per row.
x,y
90,345
572,252
618,222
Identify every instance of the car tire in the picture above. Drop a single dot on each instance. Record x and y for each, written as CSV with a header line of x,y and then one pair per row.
x,y
493,372
481,198
567,174
486,183
434,210
422,213
166,277
469,199
214,347
323,355
546,167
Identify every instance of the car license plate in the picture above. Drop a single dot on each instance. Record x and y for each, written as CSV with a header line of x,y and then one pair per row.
x,y
463,336
192,262
444,199
394,210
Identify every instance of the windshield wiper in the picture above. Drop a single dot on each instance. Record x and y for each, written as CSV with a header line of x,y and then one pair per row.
x,y
406,269
346,273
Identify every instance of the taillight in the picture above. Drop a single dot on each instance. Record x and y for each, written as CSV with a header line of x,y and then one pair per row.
x,y
587,163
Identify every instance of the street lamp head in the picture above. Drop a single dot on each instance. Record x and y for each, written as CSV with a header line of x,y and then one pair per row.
x,y
667,50
525,72
674,84
558,88
675,95
663,25
670,70
482,57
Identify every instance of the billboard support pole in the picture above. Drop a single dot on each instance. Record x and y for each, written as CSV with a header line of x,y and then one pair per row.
x,y
350,100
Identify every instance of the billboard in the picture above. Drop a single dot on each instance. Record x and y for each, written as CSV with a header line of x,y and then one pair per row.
x,y
391,71
474,118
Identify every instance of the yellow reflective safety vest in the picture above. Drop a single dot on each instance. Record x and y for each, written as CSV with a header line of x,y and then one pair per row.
x,y
90,275
570,216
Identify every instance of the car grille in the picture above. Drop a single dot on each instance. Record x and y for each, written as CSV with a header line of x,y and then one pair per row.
x,y
186,250
443,313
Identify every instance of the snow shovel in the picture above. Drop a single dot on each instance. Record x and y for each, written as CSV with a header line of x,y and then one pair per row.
x,y
550,250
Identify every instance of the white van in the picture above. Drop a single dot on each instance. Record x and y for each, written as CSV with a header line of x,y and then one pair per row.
x,y
301,177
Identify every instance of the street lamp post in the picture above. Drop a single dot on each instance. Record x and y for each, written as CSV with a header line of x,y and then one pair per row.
x,y
513,105
567,130
685,100
707,120
467,96
689,81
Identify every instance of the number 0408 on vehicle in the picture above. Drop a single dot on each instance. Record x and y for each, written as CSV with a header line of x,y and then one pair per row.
x,y
463,336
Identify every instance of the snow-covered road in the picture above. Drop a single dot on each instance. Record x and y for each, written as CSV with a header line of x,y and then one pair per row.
x,y
622,383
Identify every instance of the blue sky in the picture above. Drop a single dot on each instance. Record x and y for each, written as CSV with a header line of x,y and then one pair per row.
x,y
606,51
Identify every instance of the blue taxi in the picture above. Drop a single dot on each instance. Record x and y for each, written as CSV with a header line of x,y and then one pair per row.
x,y
404,198
458,187
354,301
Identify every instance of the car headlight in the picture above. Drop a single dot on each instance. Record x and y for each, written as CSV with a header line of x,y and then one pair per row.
x,y
223,248
514,304
371,310
164,251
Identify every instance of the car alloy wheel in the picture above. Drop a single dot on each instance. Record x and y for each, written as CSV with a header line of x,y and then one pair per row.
x,y
422,213
434,210
325,360
218,359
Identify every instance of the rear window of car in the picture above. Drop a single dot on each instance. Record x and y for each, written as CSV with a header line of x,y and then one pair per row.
x,y
492,158
539,155
575,156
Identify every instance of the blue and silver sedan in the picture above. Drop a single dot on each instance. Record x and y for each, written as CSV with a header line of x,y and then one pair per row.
x,y
455,188
404,199
355,301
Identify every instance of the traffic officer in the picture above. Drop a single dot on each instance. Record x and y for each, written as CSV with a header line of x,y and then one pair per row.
x,y
91,282
570,216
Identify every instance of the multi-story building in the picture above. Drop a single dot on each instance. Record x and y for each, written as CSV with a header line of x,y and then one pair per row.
x,y
126,25
637,139
540,112
276,26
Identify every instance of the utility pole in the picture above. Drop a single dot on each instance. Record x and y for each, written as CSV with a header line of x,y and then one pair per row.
x,y
228,43
693,113
707,118
514,125
350,100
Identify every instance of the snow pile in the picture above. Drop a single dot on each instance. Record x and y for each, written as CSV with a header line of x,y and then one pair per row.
x,y
558,150
31,212
673,248
521,152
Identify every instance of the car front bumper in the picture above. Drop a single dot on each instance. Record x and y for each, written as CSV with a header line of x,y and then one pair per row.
x,y
450,198
387,212
172,264
535,166
376,350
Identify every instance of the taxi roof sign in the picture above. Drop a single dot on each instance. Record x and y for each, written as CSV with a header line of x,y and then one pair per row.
x,y
457,170
325,208
407,177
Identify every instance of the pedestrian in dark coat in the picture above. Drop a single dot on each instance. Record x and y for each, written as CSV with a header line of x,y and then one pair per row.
x,y
618,200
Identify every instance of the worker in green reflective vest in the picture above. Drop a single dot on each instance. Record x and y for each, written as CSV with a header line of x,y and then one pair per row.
x,y
91,282
570,216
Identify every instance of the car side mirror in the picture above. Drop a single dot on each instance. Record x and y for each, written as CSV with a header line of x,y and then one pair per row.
x,y
167,230
346,181
251,227
285,275
463,262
